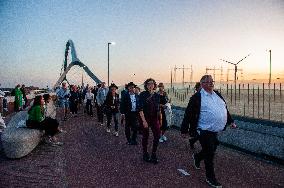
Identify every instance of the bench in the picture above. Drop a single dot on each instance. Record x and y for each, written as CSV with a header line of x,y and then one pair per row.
x,y
18,142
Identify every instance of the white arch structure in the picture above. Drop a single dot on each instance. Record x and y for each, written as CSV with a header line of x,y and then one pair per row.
x,y
74,61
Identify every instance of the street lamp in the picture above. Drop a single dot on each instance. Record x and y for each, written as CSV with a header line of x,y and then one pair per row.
x,y
83,75
109,43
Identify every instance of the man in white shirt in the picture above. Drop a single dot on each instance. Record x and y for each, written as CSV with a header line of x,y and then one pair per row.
x,y
89,104
207,115
129,113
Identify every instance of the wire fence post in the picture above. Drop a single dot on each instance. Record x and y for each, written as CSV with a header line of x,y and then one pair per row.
x,y
244,100
248,99
227,90
269,99
263,100
239,92
280,92
253,101
235,94
231,94
281,103
258,101
274,91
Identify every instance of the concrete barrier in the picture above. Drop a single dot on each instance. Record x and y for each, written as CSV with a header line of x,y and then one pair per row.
x,y
264,140
18,142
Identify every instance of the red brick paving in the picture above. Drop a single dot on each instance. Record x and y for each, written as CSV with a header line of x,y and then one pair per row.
x,y
90,157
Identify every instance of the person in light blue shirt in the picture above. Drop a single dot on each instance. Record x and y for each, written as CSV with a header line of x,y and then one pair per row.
x,y
63,95
101,97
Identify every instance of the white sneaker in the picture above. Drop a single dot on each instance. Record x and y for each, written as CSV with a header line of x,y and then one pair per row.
x,y
115,133
161,140
108,130
56,143
164,138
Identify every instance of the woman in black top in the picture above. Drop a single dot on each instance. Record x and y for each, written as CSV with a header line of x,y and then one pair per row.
x,y
149,110
111,105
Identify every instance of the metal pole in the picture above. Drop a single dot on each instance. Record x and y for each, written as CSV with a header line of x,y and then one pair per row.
x,y
183,76
280,92
248,99
269,67
269,100
236,69
258,101
274,91
243,94
171,78
235,94
253,101
263,100
239,92
108,63
231,94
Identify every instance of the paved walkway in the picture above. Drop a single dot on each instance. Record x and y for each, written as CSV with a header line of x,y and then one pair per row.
x,y
90,157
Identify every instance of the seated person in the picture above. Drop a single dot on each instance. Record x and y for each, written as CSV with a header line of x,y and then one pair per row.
x,y
36,120
50,109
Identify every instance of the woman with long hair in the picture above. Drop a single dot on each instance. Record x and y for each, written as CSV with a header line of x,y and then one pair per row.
x,y
149,111
37,120
111,105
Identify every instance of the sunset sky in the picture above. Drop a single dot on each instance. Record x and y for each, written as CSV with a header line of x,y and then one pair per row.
x,y
151,38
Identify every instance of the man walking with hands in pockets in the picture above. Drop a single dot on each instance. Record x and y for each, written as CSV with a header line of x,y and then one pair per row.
x,y
207,115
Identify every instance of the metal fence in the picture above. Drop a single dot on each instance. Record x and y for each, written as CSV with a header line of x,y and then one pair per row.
x,y
261,101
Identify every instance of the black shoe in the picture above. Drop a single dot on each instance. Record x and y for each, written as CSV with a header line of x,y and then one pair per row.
x,y
191,143
146,157
213,183
154,158
196,164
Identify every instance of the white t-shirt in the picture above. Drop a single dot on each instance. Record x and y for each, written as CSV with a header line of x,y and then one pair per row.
x,y
213,112
50,110
89,96
133,102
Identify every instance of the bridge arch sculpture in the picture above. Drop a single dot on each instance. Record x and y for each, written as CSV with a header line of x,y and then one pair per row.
x,y
70,48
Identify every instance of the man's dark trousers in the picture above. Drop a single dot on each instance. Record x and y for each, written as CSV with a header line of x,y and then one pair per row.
x,y
209,142
131,126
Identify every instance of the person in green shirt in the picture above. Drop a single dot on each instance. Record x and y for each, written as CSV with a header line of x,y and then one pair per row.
x,y
18,98
36,120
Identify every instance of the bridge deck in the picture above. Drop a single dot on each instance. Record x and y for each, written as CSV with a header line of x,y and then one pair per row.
x,y
90,157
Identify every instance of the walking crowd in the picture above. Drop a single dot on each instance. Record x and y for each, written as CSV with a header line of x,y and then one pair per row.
x,y
139,112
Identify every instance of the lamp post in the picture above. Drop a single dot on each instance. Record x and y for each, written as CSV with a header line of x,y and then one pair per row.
x,y
109,43
83,76
269,67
